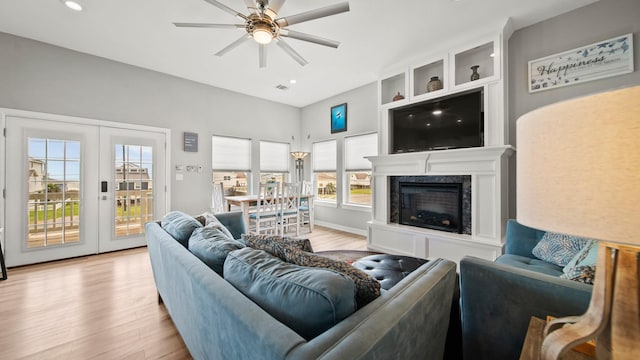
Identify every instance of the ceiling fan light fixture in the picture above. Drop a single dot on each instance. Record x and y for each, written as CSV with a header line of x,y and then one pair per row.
x,y
262,37
262,34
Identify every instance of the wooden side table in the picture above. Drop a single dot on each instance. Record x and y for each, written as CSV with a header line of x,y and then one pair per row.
x,y
533,343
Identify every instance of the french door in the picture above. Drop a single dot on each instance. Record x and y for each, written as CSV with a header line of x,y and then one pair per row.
x,y
74,189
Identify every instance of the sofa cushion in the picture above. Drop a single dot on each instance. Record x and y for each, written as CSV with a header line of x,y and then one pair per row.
x,y
367,288
528,263
212,245
557,248
309,301
275,244
179,225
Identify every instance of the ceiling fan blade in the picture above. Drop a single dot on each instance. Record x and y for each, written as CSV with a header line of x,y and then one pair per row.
x,y
225,8
310,38
213,26
289,50
262,54
233,45
313,14
274,7
251,5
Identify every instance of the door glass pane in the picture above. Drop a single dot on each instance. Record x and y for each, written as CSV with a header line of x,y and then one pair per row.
x,y
54,186
133,188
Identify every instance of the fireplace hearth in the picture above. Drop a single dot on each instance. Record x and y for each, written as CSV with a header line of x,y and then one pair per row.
x,y
433,202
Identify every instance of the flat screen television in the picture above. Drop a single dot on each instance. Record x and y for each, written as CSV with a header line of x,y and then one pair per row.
x,y
451,122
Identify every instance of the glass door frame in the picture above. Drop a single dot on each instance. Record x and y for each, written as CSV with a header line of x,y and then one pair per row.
x,y
7,112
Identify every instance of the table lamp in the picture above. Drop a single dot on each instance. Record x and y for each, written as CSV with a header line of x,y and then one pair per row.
x,y
578,173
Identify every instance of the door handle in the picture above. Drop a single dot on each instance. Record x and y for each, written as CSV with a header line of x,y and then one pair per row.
x,y
103,186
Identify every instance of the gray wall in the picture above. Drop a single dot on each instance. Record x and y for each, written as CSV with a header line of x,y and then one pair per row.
x,y
362,117
599,21
40,77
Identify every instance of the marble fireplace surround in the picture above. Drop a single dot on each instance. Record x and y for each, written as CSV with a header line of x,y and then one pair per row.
x,y
488,169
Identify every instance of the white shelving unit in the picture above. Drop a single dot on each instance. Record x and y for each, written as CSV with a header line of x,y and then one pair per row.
x,y
487,165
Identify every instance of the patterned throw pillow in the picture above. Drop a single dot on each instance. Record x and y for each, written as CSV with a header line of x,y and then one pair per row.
x,y
557,248
583,274
588,256
275,244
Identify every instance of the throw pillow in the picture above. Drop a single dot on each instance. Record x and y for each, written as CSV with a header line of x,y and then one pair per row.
x,y
585,274
588,256
309,301
212,245
212,220
275,244
557,248
179,225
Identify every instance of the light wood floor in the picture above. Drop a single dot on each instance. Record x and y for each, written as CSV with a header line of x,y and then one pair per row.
x,y
101,306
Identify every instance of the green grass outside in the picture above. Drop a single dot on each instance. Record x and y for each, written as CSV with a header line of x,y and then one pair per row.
x,y
360,191
49,212
132,210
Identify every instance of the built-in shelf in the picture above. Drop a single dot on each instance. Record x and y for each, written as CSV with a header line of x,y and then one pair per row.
x,y
423,74
393,86
481,56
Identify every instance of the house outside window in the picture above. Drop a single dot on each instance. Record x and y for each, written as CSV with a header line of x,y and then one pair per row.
x,y
357,168
324,170
231,163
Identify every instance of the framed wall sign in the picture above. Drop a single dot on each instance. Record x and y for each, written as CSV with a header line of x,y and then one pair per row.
x,y
596,61
339,118
190,142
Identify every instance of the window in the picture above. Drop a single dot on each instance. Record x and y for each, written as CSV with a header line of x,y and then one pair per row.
x,y
357,168
231,163
274,161
324,169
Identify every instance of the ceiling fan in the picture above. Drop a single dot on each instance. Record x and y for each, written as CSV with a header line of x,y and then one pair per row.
x,y
263,25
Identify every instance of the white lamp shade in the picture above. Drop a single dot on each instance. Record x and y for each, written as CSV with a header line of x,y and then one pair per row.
x,y
578,167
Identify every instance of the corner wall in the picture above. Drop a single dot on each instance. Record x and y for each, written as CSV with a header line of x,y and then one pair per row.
x,y
362,117
40,77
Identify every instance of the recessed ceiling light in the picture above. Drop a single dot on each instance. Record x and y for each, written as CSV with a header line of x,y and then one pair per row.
x,y
459,120
428,124
73,5
492,55
437,112
292,81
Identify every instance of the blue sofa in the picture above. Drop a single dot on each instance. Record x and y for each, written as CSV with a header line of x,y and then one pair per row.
x,y
499,298
216,321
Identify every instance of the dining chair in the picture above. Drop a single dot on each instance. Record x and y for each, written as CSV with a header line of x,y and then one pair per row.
x,y
265,217
217,199
306,204
290,209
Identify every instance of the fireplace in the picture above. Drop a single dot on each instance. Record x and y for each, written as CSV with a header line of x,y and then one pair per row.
x,y
432,206
433,202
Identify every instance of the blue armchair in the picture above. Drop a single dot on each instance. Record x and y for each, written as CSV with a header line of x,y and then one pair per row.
x,y
499,298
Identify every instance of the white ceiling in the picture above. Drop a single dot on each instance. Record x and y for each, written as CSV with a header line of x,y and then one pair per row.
x,y
374,35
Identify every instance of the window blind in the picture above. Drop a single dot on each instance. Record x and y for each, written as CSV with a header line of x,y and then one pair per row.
x,y
324,156
274,156
230,154
356,147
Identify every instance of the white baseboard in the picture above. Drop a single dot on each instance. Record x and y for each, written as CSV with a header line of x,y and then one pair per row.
x,y
362,232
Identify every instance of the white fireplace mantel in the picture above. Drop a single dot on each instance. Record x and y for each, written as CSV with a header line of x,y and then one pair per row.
x,y
488,168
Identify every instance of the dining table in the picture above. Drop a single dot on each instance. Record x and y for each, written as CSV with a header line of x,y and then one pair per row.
x,y
246,202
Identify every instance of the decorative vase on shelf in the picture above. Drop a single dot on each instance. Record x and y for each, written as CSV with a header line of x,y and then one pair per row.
x,y
398,97
474,74
434,84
